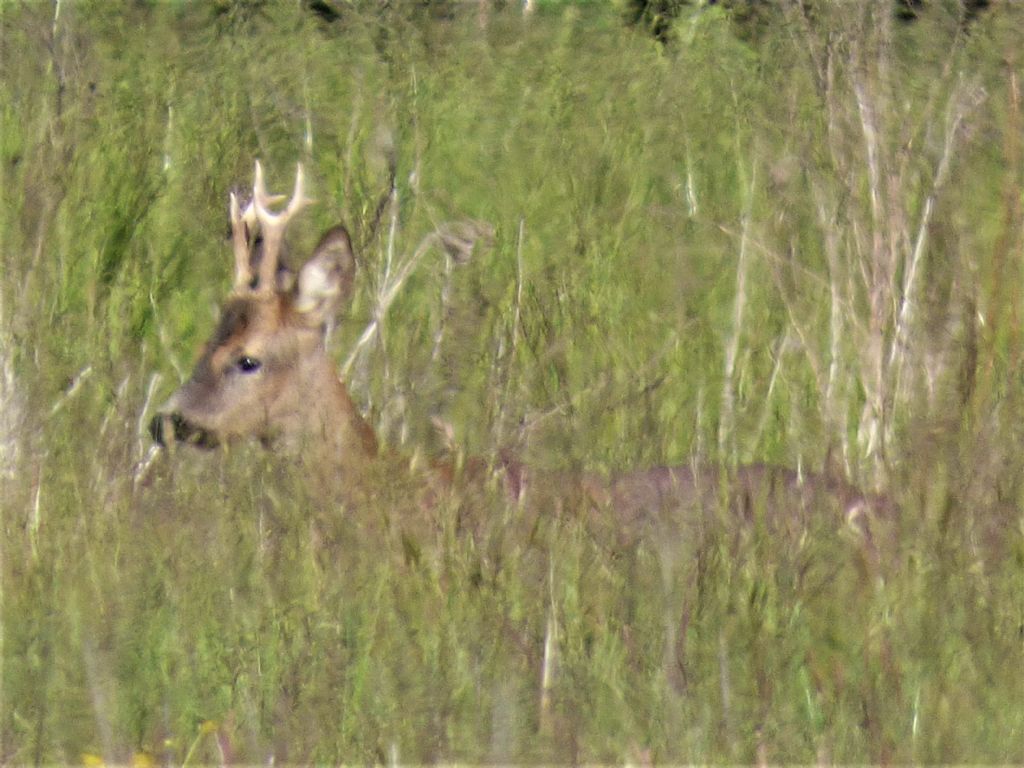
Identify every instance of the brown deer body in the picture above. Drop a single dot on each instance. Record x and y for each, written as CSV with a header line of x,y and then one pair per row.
x,y
266,374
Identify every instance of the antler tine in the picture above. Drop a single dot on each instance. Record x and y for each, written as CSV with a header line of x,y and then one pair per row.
x,y
241,226
274,224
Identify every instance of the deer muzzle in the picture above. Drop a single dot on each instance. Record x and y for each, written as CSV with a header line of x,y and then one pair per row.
x,y
168,429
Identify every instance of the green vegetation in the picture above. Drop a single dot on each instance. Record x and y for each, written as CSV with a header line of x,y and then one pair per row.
x,y
801,246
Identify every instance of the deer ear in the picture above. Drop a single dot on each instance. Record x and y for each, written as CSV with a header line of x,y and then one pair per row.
x,y
325,282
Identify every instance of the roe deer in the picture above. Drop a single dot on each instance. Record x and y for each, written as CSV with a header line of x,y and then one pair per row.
x,y
266,374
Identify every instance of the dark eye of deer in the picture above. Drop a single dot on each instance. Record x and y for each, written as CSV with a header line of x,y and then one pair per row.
x,y
248,364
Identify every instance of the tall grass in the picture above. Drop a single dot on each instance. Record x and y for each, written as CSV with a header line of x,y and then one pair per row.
x,y
803,249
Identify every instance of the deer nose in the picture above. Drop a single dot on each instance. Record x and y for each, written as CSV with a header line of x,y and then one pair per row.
x,y
167,429
160,427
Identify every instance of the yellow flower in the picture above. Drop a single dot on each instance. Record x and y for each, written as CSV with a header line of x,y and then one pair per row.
x,y
209,726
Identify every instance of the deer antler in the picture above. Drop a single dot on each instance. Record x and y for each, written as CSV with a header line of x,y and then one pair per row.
x,y
273,224
242,223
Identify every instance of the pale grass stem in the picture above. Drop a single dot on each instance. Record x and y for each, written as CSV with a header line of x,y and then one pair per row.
x,y
147,449
307,137
72,389
727,423
168,136
780,352
956,112
374,329
725,685
12,414
35,520
693,208
98,679
108,417
550,661
140,426
444,236
505,356
443,309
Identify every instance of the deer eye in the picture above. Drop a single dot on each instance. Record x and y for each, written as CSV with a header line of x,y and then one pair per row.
x,y
248,364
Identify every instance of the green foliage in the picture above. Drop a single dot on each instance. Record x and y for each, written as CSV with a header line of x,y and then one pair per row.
x,y
686,263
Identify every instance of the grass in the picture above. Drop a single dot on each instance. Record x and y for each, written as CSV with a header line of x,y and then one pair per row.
x,y
803,248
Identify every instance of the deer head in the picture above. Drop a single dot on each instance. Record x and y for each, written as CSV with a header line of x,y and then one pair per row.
x,y
265,372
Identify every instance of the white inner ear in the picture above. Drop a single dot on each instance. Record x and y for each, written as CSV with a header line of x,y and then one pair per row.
x,y
316,283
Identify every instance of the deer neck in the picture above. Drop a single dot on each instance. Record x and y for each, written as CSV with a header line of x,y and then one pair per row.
x,y
323,423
